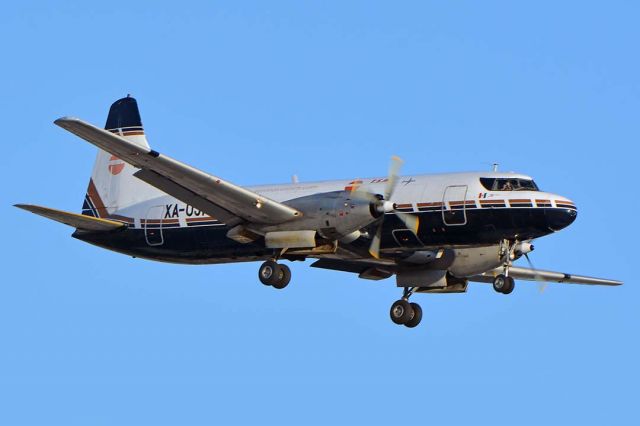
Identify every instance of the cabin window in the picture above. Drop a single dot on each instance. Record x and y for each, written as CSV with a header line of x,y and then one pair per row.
x,y
508,184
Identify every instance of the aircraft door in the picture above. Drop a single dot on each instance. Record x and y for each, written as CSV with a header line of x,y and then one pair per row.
x,y
454,205
153,226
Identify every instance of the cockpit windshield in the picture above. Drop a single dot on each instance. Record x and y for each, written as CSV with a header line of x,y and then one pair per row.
x,y
508,184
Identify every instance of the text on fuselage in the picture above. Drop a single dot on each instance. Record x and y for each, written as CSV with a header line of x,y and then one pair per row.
x,y
177,210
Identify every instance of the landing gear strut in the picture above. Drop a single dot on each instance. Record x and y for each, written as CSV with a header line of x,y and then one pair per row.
x,y
274,274
405,313
503,283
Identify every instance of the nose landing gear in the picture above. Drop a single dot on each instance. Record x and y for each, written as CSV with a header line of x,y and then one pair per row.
x,y
405,313
274,274
503,283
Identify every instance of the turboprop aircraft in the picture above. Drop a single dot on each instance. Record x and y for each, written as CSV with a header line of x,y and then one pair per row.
x,y
435,233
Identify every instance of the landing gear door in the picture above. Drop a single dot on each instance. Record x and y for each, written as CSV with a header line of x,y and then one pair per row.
x,y
406,238
453,205
153,226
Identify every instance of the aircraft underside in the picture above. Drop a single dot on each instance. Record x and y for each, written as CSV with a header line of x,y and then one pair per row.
x,y
209,244
434,233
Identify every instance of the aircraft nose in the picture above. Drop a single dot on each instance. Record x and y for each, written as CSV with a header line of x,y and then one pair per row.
x,y
562,216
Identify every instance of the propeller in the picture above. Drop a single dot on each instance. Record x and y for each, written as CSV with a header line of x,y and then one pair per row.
x,y
382,205
542,283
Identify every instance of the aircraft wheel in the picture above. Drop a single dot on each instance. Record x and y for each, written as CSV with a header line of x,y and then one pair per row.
x,y
503,284
284,277
510,285
417,316
401,312
269,272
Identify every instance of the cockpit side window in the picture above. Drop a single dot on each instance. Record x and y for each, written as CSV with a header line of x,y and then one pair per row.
x,y
508,184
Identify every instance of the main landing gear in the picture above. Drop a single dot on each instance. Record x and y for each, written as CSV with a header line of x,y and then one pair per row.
x,y
274,274
404,313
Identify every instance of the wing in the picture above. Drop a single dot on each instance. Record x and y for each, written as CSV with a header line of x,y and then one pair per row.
x,y
366,270
79,221
528,274
219,198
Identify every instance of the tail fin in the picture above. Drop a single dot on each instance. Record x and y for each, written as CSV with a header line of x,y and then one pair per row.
x,y
112,186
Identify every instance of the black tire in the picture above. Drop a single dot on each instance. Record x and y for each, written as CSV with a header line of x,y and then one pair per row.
x,y
401,312
509,285
417,316
284,275
269,272
499,283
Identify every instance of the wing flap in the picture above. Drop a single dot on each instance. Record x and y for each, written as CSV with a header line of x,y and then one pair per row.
x,y
226,196
79,221
528,274
369,271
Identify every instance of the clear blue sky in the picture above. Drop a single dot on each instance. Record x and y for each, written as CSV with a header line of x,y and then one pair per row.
x,y
258,91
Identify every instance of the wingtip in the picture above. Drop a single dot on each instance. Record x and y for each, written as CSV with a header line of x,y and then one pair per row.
x,y
64,120
27,207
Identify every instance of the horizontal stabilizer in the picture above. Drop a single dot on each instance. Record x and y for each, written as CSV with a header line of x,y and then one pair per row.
x,y
79,221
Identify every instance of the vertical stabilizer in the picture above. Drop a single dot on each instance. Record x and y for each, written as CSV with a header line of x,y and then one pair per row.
x,y
112,186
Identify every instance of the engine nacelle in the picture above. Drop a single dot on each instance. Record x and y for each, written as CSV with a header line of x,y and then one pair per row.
x,y
475,260
430,280
521,248
334,215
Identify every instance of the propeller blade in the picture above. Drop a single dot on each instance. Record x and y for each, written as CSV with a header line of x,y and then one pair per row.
x,y
412,222
374,249
392,177
359,193
542,284
386,206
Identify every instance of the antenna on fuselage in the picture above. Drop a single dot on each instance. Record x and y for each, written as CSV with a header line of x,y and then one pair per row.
x,y
495,167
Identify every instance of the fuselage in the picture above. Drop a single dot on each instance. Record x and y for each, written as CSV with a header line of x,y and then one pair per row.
x,y
433,233
455,210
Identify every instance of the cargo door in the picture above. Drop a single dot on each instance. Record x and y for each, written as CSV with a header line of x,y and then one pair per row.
x,y
153,226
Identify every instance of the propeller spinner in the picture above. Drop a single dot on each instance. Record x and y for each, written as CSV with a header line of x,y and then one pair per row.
x,y
383,204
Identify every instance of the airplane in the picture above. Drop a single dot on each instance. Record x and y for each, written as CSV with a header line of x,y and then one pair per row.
x,y
435,233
